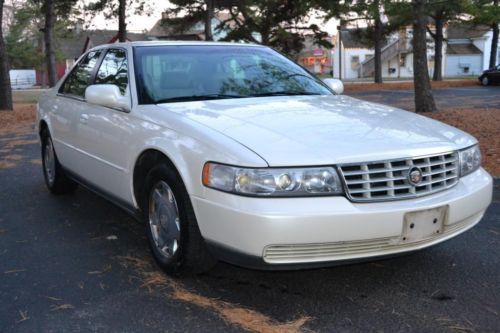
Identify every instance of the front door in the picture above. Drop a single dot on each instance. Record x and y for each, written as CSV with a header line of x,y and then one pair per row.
x,y
105,134
65,112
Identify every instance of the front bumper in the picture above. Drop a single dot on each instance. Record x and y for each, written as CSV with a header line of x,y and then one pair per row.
x,y
297,232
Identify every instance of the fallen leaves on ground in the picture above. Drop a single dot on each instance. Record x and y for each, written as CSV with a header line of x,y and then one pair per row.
x,y
406,85
61,307
6,165
104,270
484,125
13,157
12,271
24,316
234,314
23,114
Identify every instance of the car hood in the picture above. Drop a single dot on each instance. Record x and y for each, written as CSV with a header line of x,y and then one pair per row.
x,y
322,130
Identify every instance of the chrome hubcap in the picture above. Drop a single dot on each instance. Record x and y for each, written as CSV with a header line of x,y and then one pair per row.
x,y
50,161
164,220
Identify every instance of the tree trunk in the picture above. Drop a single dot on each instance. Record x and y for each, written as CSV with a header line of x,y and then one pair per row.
x,y
424,100
5,88
494,46
378,46
208,20
438,50
48,34
122,24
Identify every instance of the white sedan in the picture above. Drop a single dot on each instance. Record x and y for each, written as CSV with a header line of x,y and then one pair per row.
x,y
233,152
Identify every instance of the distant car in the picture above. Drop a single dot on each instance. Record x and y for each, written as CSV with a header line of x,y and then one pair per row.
x,y
234,152
490,76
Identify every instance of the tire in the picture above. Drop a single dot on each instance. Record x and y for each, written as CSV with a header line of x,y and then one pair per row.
x,y
485,81
174,237
55,179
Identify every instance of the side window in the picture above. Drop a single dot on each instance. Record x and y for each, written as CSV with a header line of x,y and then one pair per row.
x,y
114,70
80,77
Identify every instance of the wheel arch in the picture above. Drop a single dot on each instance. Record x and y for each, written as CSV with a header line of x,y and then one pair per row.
x,y
145,161
42,127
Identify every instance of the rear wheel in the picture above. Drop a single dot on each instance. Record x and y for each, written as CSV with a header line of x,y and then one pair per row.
x,y
55,179
173,233
485,81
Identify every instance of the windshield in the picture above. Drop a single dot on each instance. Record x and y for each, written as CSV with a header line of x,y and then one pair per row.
x,y
188,73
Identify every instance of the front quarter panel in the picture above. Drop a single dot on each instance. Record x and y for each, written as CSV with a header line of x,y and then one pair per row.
x,y
187,144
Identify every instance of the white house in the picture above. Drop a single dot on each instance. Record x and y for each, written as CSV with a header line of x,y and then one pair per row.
x,y
465,52
468,50
358,59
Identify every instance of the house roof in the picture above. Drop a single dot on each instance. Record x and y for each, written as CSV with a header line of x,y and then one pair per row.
x,y
466,31
73,46
463,49
350,40
162,31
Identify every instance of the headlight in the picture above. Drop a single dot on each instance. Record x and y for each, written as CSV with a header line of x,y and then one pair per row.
x,y
470,160
272,182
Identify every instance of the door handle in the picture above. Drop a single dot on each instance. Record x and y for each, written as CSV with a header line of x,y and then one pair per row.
x,y
84,118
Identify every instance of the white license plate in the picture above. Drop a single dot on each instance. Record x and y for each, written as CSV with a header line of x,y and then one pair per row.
x,y
423,224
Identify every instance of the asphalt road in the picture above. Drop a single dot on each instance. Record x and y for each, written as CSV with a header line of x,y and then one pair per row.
x,y
474,97
78,263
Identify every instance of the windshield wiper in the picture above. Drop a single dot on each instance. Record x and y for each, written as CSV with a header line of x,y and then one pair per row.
x,y
283,93
195,98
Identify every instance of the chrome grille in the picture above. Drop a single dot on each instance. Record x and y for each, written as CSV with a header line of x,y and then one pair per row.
x,y
388,180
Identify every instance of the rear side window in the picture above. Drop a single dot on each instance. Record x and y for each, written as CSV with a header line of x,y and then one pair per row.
x,y
80,78
114,70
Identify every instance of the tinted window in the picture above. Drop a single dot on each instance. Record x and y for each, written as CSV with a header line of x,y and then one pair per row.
x,y
80,78
176,73
113,70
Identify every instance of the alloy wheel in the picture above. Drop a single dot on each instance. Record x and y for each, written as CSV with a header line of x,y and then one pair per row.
x,y
164,220
49,161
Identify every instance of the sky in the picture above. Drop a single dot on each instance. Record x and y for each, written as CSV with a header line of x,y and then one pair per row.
x,y
138,23
135,23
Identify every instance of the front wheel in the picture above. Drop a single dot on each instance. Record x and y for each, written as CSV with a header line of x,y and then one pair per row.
x,y
485,81
55,179
171,227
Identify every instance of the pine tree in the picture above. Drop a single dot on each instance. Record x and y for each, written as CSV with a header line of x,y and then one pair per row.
x,y
5,88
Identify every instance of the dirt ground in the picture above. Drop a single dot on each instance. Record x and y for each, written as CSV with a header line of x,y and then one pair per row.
x,y
483,124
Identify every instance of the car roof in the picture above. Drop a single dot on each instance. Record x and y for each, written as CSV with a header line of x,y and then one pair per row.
x,y
176,43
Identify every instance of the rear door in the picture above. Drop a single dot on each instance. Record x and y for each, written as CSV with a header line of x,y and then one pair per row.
x,y
105,134
65,112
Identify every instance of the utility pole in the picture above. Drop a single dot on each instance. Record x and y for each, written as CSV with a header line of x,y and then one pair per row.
x,y
339,29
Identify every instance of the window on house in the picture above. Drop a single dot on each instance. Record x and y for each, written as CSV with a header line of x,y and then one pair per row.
x,y
354,62
402,60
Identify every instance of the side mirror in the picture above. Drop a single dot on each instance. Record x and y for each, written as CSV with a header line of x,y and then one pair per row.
x,y
336,85
107,95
